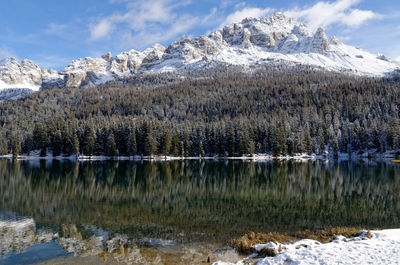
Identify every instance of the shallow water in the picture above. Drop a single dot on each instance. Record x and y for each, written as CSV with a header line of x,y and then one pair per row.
x,y
179,212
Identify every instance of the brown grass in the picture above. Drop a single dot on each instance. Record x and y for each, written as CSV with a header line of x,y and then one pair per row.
x,y
267,252
245,243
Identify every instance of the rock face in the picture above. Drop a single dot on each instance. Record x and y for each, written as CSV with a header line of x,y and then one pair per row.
x,y
320,42
26,73
252,42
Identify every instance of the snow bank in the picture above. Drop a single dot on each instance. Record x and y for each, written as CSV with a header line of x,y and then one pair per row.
x,y
382,248
299,157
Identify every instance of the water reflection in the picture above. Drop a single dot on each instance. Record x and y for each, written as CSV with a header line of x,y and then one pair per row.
x,y
20,235
186,201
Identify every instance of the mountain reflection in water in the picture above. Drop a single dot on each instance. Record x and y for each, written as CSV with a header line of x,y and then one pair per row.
x,y
21,236
95,208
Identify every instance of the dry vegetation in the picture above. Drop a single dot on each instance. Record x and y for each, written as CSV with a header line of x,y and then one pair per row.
x,y
245,243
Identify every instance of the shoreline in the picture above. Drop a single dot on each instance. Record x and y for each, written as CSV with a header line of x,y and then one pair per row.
x,y
368,156
368,247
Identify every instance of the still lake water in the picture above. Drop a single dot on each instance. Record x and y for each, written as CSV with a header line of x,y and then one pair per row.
x,y
179,212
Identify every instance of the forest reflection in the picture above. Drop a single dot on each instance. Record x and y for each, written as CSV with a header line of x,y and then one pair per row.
x,y
202,199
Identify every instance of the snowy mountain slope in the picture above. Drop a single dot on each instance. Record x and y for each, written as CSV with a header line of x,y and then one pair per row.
x,y
19,75
277,39
19,79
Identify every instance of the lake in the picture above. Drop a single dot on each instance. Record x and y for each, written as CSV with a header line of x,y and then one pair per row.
x,y
180,212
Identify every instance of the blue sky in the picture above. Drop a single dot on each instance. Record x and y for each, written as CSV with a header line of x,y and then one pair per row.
x,y
52,33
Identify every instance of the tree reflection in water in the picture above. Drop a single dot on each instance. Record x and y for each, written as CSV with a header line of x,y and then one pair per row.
x,y
201,200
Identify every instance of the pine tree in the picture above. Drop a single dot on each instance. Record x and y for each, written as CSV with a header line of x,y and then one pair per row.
x,y
132,145
67,144
88,141
231,140
111,146
276,141
57,143
27,145
100,143
395,133
251,147
306,142
202,153
76,144
290,146
43,151
186,145
40,139
182,148
16,147
175,145
166,143
3,146
281,148
150,143
335,145
244,142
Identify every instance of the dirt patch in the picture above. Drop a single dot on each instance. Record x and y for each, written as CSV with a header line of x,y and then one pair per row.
x,y
245,243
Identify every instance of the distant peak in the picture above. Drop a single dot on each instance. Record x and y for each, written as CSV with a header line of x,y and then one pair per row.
x,y
11,59
107,56
278,17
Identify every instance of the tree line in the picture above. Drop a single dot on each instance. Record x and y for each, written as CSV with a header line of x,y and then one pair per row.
x,y
226,113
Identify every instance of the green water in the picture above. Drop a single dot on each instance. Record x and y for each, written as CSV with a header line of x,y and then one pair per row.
x,y
184,202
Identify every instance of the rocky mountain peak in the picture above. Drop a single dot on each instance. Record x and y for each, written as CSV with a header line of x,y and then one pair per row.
x,y
25,73
320,42
153,54
107,56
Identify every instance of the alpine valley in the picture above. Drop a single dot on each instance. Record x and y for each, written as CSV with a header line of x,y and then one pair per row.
x,y
264,142
253,43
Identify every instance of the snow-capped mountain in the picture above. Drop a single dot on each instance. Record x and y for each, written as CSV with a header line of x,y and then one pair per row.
x,y
250,43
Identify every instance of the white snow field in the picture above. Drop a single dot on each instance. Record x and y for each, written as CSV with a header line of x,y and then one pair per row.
x,y
382,248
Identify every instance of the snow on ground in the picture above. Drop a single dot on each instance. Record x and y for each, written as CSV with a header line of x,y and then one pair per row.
x,y
300,157
382,248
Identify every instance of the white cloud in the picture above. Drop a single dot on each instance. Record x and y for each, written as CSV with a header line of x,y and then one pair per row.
x,y
140,15
100,30
147,22
397,59
137,17
145,38
54,28
357,17
239,15
323,14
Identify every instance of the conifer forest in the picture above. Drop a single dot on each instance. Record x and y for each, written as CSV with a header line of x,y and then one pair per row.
x,y
224,113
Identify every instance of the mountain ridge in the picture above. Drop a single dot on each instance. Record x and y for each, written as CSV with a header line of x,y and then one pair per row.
x,y
250,43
